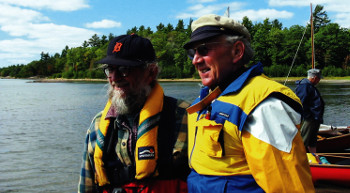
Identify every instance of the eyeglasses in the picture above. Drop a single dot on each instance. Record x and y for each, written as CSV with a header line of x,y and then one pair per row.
x,y
122,71
202,49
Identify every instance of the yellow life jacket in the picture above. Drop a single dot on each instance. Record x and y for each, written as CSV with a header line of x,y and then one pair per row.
x,y
146,151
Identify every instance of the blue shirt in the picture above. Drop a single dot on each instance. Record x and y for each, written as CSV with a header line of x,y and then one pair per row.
x,y
313,104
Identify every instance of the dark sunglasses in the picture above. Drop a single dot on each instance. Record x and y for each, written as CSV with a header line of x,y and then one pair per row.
x,y
202,49
122,71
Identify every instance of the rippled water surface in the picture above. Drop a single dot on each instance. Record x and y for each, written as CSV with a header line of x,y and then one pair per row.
x,y
43,125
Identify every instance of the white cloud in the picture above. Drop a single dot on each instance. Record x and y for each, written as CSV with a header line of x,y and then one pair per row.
x,y
237,12
17,47
58,5
105,23
33,33
343,19
14,15
331,5
261,14
201,9
13,58
279,3
48,37
340,9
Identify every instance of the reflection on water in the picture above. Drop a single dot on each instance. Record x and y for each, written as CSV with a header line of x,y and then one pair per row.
x,y
42,128
43,125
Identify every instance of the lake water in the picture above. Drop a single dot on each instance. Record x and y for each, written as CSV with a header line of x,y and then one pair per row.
x,y
43,125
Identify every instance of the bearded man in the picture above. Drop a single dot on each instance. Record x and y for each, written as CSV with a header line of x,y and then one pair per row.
x,y
138,143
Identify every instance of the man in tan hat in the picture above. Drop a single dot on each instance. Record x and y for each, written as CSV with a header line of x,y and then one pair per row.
x,y
138,143
243,129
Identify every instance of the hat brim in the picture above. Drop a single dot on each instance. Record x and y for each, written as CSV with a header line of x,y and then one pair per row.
x,y
201,37
111,60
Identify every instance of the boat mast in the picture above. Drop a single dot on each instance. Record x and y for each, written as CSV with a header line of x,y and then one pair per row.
x,y
312,40
227,12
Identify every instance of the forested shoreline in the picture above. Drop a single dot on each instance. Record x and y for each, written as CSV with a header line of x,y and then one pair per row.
x,y
275,47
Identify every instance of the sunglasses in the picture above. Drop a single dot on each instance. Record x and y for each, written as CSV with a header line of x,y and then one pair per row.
x,y
202,49
122,71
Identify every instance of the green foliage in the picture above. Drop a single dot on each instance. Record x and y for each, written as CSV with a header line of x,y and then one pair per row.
x,y
332,45
276,70
334,71
300,71
274,46
169,72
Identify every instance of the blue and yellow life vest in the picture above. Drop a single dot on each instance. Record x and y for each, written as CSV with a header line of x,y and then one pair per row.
x,y
215,142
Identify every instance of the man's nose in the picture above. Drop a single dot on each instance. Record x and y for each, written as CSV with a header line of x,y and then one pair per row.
x,y
197,58
114,75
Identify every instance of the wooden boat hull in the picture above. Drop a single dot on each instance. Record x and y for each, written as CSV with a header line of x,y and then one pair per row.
x,y
333,144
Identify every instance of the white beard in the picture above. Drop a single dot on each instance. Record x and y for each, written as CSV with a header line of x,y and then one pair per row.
x,y
133,101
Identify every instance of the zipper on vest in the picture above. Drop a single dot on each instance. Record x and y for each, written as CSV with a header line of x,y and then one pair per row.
x,y
194,144
195,138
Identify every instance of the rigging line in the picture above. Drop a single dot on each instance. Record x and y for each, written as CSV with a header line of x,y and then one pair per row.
x,y
290,69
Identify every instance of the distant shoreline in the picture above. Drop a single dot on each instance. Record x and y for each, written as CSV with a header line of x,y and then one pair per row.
x,y
53,80
278,79
43,80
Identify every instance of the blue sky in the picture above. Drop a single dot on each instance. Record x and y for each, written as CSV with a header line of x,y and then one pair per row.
x,y
29,27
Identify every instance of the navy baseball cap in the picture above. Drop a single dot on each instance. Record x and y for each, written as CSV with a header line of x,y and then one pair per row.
x,y
129,50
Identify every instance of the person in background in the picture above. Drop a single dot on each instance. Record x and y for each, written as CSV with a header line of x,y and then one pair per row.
x,y
138,143
243,128
313,106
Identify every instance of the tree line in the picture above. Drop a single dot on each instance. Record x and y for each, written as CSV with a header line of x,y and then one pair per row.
x,y
275,47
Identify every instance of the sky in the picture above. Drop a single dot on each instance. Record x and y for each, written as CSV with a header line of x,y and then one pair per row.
x,y
30,27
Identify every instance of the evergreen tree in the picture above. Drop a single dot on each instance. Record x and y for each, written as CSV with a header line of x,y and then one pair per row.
x,y
320,18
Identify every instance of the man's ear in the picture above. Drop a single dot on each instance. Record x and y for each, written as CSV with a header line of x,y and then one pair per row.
x,y
152,74
238,51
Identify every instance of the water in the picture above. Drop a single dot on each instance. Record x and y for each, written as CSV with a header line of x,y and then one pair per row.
x,y
336,97
43,125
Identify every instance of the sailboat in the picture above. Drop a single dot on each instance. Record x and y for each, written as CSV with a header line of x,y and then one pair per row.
x,y
330,167
335,168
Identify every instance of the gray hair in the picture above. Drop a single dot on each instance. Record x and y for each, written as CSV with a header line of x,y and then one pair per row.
x,y
248,51
153,66
313,73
